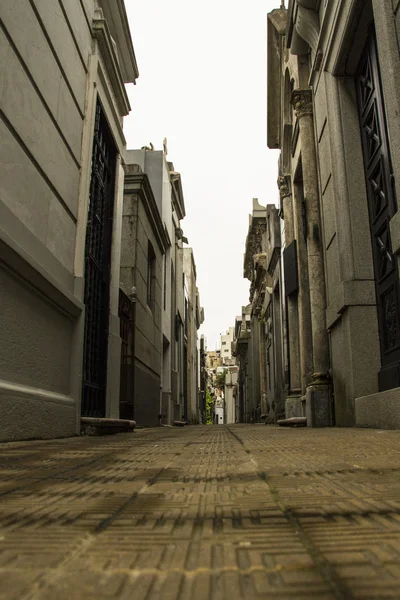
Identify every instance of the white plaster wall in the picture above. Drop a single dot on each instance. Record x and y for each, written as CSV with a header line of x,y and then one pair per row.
x,y
219,412
226,343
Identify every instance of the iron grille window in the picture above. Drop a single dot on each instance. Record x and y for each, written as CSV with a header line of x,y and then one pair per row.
x,y
97,268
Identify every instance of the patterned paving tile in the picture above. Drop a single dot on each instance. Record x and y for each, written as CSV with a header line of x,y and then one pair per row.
x,y
215,512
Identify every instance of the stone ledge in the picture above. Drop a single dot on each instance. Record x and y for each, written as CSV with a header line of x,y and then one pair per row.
x,y
350,293
292,422
379,411
94,426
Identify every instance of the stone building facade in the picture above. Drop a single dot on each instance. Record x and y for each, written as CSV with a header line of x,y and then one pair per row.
x,y
226,346
230,394
144,243
274,319
194,317
203,377
333,111
166,185
263,268
63,70
247,404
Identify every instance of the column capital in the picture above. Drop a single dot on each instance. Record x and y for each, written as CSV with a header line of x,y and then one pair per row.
x,y
301,101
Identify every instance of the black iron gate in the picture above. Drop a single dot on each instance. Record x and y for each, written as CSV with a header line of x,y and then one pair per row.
x,y
126,324
97,268
382,207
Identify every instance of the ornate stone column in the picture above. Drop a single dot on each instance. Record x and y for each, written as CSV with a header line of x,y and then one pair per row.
x,y
303,296
318,407
293,404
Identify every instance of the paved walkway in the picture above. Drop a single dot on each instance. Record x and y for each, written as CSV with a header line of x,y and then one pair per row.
x,y
205,512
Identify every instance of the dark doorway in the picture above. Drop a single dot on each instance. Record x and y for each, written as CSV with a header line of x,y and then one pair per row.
x,y
97,268
382,206
126,323
185,382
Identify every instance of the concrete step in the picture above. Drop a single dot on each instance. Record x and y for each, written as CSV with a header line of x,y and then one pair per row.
x,y
97,426
293,422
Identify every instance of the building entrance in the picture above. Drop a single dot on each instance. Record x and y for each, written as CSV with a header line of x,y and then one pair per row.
x,y
382,206
97,269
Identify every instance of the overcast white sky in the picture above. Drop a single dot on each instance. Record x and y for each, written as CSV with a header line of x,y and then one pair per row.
x,y
202,85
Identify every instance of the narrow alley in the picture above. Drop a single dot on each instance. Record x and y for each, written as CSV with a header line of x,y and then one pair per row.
x,y
242,511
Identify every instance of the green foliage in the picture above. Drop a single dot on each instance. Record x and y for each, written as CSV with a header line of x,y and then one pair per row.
x,y
220,380
209,405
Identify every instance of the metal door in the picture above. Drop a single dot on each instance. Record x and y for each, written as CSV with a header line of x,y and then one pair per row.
x,y
97,268
126,399
382,206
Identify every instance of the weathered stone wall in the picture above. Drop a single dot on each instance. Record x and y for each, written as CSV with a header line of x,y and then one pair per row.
x,y
35,399
44,58
396,12
44,61
137,231
55,62
192,390
351,313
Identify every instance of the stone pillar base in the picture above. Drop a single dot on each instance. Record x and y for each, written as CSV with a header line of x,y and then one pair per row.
x,y
294,407
319,409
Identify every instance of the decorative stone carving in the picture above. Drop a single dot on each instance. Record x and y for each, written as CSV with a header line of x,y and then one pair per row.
x,y
259,233
241,351
307,26
252,290
284,186
254,246
301,101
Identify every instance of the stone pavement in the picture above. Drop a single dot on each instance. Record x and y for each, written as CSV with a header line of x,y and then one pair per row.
x,y
208,512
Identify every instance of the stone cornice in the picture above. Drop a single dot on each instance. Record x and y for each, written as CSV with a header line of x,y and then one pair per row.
x,y
302,102
177,192
138,183
117,19
101,32
307,25
302,26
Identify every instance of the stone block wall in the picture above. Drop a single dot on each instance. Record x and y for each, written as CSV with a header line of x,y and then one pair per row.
x,y
396,12
137,231
44,60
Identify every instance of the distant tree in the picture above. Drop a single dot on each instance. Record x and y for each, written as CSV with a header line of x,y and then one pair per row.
x,y
209,407
220,380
